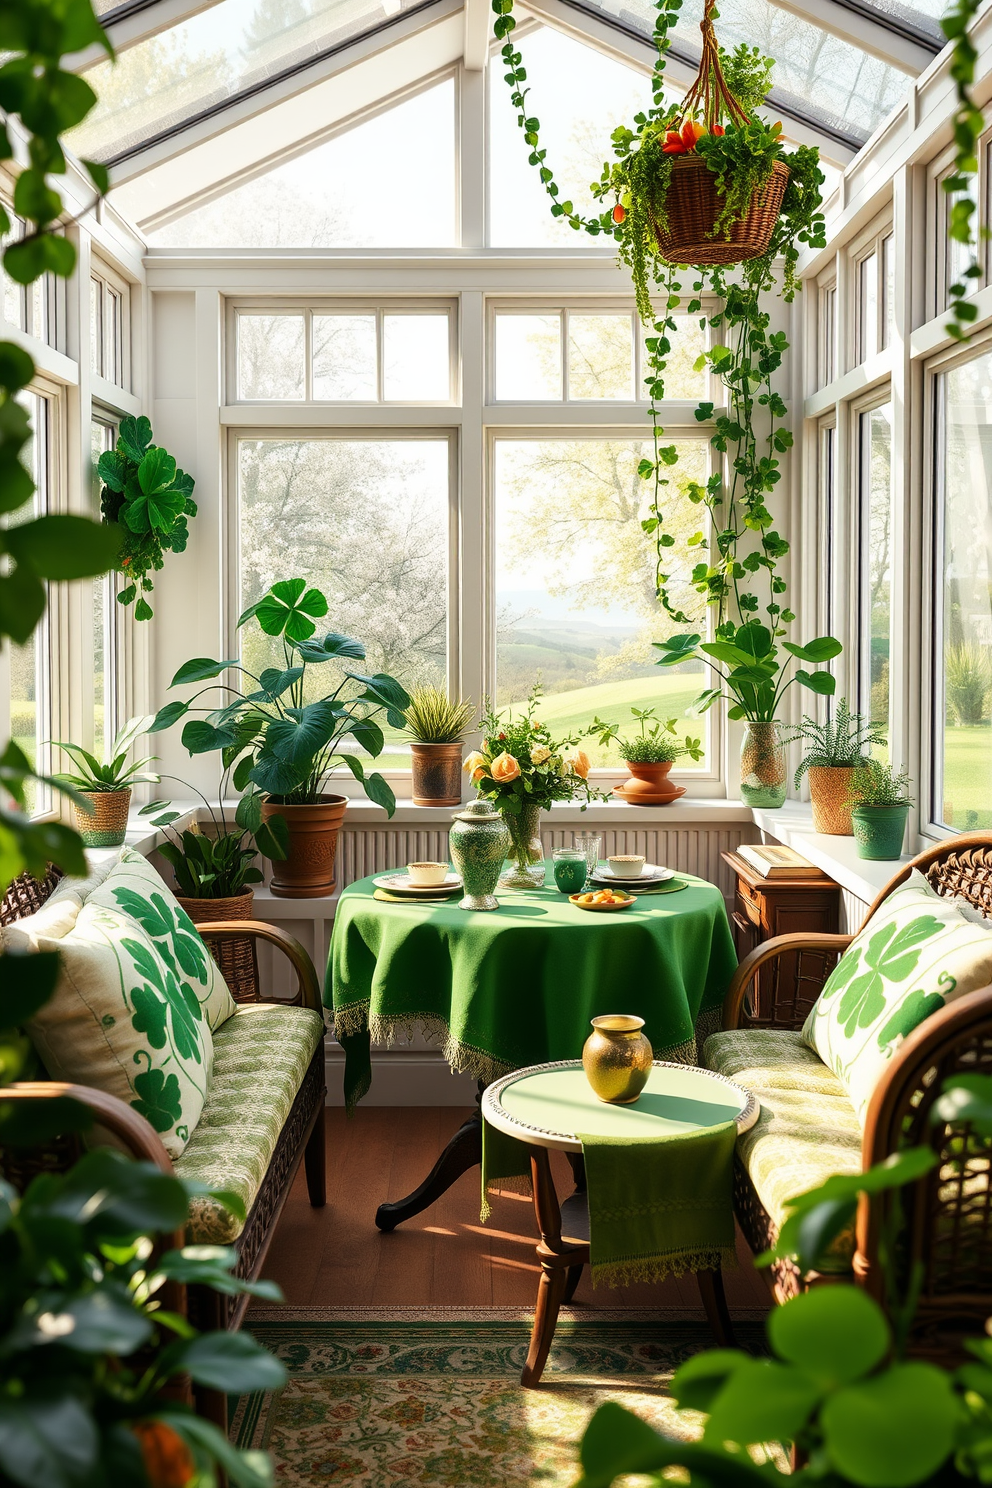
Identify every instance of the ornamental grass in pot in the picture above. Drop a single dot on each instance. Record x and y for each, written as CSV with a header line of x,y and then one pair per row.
x,y
281,743
835,750
880,800
437,727
648,755
101,816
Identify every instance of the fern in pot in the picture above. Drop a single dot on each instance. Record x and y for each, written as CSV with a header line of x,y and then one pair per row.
x,y
101,817
649,754
880,799
437,728
834,752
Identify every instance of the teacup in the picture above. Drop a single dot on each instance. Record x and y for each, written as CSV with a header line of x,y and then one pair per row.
x,y
427,875
626,865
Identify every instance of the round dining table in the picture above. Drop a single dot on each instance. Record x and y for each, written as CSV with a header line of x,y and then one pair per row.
x,y
503,989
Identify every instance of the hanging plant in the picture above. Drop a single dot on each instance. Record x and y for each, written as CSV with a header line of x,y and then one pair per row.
x,y
706,181
149,498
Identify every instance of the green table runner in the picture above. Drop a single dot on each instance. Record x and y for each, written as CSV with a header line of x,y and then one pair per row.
x,y
518,985
659,1173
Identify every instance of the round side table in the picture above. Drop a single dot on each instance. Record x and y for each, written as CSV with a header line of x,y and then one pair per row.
x,y
545,1106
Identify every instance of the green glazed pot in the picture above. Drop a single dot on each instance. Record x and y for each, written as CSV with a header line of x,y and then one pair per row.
x,y
478,843
879,831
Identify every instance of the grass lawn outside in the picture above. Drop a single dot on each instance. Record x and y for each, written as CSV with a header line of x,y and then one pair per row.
x,y
968,777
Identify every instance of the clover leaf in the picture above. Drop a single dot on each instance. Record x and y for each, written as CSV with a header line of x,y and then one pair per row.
x,y
891,956
159,1099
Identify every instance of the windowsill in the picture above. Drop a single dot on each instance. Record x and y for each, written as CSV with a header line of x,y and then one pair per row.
x,y
837,856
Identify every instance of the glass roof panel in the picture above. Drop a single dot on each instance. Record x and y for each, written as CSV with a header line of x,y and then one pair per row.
x,y
828,81
921,15
165,81
332,195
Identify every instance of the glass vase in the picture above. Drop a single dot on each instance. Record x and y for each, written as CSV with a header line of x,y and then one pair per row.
x,y
525,858
764,779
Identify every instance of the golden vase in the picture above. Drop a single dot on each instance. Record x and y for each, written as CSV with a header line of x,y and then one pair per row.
x,y
617,1058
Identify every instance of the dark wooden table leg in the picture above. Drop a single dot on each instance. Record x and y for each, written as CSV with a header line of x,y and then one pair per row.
x,y
715,1305
464,1151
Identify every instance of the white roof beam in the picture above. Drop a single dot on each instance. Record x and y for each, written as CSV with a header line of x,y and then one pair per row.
x,y
136,24
890,43
477,34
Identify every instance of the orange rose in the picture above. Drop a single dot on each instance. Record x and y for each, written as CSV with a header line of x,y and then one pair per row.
x,y
504,768
540,754
578,763
476,765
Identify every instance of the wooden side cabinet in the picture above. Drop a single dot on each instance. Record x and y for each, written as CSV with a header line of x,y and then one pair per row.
x,y
765,907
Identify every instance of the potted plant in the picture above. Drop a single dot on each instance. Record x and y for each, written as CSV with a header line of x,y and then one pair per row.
x,y
754,680
149,498
835,750
102,819
281,744
522,770
880,803
649,755
437,727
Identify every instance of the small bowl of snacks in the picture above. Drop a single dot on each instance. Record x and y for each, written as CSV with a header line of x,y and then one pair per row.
x,y
602,899
427,875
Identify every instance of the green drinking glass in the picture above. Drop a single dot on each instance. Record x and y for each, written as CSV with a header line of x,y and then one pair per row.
x,y
569,869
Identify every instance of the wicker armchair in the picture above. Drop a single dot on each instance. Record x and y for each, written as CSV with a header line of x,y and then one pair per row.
x,y
946,1218
302,1137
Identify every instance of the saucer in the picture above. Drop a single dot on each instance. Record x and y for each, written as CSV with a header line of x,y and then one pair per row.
x,y
651,873
665,800
400,883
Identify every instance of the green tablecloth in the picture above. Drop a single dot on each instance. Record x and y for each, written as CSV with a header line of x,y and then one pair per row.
x,y
518,985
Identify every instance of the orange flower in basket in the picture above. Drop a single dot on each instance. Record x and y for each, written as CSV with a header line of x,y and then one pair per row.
x,y
504,768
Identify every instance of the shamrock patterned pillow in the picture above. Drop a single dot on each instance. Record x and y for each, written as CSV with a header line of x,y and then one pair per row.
x,y
120,1020
134,888
916,953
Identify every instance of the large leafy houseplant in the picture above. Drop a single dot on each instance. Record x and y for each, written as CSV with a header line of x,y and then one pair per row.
x,y
218,863
149,498
280,743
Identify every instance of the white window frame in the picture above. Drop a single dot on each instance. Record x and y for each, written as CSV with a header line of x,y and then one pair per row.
x,y
861,616
112,288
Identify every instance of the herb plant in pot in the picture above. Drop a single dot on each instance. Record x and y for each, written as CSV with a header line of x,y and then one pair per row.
x,y
102,819
880,805
437,728
835,751
649,755
281,743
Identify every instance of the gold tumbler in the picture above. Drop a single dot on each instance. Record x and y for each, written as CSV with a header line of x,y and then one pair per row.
x,y
617,1058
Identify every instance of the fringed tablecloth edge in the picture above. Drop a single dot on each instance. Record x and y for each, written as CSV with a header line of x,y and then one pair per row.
x,y
632,1270
464,1059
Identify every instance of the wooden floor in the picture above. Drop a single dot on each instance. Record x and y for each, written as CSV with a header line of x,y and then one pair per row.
x,y
335,1257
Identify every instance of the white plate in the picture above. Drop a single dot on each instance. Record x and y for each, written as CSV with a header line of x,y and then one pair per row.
x,y
400,883
650,873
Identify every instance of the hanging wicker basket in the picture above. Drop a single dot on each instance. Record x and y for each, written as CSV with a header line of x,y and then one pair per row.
x,y
693,205
236,958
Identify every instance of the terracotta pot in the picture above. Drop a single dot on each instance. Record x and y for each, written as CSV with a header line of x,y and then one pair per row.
x,y
437,774
649,784
236,958
829,792
107,824
308,871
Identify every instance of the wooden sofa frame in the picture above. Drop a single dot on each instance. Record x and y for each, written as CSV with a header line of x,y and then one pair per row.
x,y
944,1219
303,1136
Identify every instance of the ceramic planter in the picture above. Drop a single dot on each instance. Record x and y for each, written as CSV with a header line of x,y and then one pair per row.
x,y
308,871
437,774
879,831
478,842
107,825
764,779
236,958
829,796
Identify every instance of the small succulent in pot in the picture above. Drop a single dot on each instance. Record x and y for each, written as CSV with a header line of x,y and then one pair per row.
x,y
101,819
880,800
835,750
437,726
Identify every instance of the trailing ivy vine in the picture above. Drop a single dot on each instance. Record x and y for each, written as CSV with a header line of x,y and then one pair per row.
x,y
968,126
737,566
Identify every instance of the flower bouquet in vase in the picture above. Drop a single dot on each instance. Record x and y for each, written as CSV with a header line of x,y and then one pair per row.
x,y
522,770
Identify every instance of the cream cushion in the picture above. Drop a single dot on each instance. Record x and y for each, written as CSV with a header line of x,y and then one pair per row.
x,y
119,1020
916,953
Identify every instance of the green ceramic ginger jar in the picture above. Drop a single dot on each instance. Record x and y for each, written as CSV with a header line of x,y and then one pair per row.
x,y
478,842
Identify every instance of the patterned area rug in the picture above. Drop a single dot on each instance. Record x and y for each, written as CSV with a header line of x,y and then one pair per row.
x,y
431,1398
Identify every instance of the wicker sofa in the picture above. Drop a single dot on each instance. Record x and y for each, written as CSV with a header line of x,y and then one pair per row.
x,y
808,1128
262,1117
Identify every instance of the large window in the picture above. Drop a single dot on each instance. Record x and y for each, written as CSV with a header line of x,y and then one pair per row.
x,y
587,354
575,599
103,436
109,326
963,635
366,521
30,664
875,608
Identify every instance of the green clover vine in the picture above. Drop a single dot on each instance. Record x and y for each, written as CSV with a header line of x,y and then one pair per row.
x,y
968,126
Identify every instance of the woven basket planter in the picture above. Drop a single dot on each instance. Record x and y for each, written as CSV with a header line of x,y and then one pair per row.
x,y
693,205
830,798
236,958
107,824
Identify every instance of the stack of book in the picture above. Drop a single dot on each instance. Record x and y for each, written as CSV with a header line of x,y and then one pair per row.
x,y
774,861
